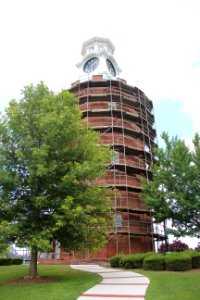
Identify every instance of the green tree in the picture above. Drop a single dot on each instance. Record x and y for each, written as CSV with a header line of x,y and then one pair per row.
x,y
175,246
174,192
49,162
4,233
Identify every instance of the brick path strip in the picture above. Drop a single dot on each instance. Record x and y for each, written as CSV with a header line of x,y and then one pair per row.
x,y
116,284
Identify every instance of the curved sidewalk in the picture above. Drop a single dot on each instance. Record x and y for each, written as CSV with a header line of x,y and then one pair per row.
x,y
116,284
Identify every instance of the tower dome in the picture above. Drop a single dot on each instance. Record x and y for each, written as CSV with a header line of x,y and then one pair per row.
x,y
98,59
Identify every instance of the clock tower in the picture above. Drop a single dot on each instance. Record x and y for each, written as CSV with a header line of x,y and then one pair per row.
x,y
123,116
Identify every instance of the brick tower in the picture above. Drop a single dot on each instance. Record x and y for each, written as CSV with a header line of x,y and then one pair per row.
x,y
123,115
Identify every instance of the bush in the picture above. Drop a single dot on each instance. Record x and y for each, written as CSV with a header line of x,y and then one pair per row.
x,y
195,255
115,260
154,262
146,254
5,261
123,261
129,261
178,262
135,261
175,246
17,261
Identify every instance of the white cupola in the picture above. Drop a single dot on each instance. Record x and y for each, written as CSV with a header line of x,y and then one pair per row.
x,y
98,59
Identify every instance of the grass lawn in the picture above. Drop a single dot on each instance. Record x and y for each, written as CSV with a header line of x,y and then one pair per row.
x,y
69,285
173,285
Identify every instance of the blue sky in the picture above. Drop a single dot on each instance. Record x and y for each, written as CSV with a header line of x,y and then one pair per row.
x,y
169,117
157,47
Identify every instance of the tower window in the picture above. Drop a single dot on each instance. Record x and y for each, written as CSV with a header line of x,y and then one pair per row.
x,y
115,159
112,105
118,220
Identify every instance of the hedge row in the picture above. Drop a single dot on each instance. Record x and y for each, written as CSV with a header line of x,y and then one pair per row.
x,y
180,261
10,261
195,258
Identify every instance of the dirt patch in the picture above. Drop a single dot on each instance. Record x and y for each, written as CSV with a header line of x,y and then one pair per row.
x,y
195,270
39,280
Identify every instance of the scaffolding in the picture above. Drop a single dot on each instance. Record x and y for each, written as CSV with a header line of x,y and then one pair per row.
x,y
123,115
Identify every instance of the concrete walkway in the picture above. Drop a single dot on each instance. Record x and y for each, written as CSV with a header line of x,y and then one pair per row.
x,y
116,284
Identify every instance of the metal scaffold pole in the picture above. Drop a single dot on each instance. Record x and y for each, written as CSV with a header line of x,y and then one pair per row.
x,y
125,164
143,109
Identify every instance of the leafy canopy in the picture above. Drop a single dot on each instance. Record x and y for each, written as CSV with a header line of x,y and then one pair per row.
x,y
49,161
4,241
174,192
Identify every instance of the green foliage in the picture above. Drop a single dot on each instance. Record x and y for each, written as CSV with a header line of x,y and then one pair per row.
x,y
175,246
123,261
17,261
178,262
174,192
146,254
116,259
49,161
4,248
195,255
10,261
4,233
129,261
154,262
5,261
135,261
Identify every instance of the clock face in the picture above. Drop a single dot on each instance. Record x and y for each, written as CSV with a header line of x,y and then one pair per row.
x,y
91,65
110,67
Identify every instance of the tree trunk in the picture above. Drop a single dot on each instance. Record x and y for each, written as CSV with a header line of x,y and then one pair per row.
x,y
33,263
54,249
166,237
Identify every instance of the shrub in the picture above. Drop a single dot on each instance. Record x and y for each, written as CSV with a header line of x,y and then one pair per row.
x,y
178,262
17,261
175,246
135,261
5,261
198,247
129,261
154,262
195,255
123,261
146,254
115,260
